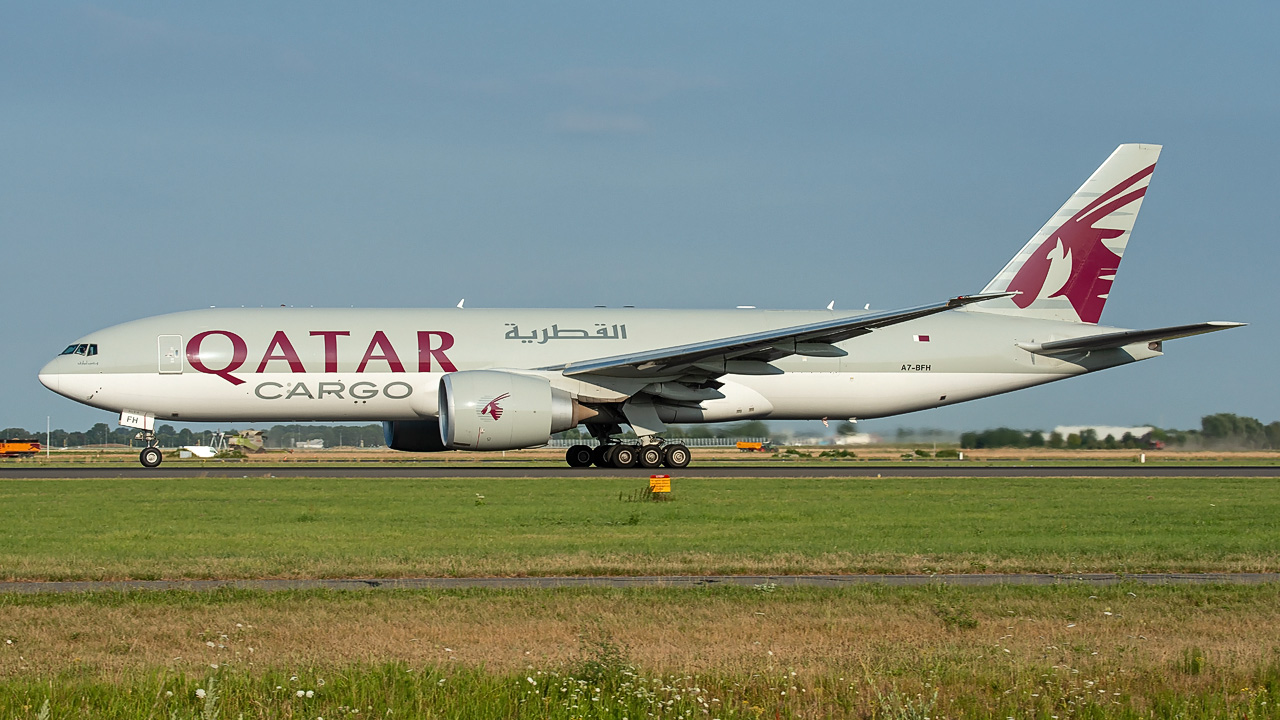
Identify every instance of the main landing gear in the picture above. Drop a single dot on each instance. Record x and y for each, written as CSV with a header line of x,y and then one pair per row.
x,y
618,455
150,456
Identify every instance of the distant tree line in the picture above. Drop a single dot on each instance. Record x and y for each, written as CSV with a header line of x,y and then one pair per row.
x,y
99,434
284,436
1224,431
278,436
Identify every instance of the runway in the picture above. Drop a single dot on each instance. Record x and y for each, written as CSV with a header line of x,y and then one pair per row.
x,y
500,470
652,581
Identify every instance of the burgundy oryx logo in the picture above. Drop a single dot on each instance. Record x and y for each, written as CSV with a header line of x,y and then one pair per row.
x,y
1073,262
493,409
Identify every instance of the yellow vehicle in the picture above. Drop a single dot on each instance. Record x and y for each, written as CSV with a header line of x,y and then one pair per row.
x,y
19,448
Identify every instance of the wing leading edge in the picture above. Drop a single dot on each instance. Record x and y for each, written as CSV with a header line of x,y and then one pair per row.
x,y
750,354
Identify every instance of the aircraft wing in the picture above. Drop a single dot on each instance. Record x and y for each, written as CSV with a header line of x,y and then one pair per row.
x,y
750,354
1127,337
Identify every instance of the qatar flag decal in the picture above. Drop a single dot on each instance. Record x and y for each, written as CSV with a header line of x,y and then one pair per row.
x,y
921,338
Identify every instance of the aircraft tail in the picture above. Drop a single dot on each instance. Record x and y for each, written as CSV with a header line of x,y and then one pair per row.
x,y
1066,270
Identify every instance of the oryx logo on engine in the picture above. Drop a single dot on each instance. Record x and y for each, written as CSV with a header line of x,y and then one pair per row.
x,y
493,409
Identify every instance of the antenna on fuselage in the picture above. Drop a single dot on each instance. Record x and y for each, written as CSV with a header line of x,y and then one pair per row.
x,y
831,305
460,302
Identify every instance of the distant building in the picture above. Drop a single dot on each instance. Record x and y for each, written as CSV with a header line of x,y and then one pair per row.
x,y
1103,430
859,439
309,444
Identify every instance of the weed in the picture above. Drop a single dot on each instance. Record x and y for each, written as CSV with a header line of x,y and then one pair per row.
x,y
837,454
901,706
210,694
955,616
1193,661
603,662
644,494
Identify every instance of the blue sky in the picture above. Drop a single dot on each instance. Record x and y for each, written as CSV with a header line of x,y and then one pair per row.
x,y
160,157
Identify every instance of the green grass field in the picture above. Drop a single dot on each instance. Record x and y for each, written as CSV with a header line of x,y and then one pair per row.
x,y
255,527
939,652
1127,651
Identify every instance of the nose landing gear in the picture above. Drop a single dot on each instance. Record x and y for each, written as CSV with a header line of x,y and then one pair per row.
x,y
150,456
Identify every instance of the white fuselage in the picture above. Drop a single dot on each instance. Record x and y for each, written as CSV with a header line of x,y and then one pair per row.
x,y
285,365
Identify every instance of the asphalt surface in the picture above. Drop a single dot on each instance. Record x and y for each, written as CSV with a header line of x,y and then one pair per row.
x,y
498,470
675,581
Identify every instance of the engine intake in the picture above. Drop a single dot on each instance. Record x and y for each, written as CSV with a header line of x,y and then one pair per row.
x,y
496,410
413,435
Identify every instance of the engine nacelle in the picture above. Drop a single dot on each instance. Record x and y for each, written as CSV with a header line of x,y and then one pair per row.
x,y
495,410
413,435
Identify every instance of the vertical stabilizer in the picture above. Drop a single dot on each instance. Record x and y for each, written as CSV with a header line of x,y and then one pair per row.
x,y
1066,270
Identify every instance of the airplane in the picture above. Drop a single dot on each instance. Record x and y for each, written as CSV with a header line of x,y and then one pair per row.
x,y
492,379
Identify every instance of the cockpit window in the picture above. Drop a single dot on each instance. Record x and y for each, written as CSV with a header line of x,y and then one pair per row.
x,y
87,349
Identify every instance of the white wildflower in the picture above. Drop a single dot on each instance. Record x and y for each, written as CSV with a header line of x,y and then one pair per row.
x,y
300,693
311,693
200,693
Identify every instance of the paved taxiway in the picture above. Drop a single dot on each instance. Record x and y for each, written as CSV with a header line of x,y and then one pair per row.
x,y
673,581
497,470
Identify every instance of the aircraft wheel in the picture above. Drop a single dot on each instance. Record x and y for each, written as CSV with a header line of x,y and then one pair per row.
x,y
579,456
623,456
600,455
150,457
650,456
676,456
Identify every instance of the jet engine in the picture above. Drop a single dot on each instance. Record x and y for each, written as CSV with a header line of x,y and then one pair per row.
x,y
413,435
495,410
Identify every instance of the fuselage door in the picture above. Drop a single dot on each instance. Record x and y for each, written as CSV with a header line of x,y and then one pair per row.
x,y
170,353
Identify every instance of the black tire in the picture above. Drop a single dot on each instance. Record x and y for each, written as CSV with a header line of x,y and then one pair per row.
x,y
600,455
676,456
150,457
650,456
623,456
578,456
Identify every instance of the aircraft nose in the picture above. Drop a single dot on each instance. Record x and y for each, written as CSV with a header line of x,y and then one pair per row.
x,y
49,377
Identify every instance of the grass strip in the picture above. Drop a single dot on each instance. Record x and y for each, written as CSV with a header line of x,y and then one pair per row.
x,y
211,528
942,652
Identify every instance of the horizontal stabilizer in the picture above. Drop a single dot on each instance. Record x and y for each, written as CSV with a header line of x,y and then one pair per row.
x,y
1127,337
